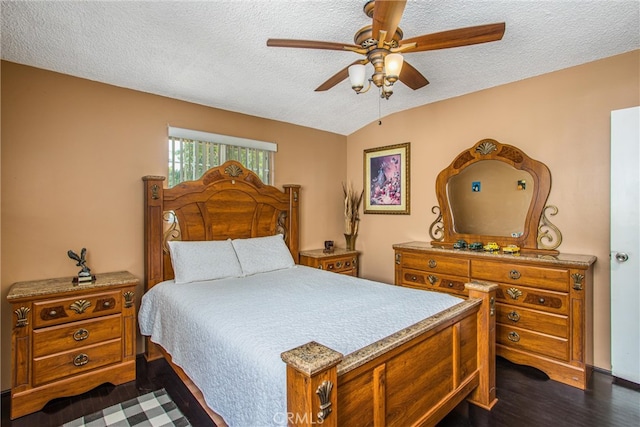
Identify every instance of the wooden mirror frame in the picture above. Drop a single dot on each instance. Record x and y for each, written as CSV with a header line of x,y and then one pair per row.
x,y
490,149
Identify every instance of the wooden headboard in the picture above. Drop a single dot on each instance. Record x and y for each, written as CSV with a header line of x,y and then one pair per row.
x,y
229,201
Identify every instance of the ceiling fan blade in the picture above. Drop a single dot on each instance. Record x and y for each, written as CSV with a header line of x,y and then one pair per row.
x,y
455,38
412,77
311,44
386,17
339,76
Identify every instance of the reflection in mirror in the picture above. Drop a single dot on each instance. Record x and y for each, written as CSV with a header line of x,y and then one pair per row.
x,y
490,198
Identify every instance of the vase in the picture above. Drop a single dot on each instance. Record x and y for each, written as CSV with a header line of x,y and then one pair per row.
x,y
351,241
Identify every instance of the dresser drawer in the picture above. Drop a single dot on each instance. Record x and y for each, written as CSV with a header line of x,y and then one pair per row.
x,y
60,365
72,336
434,282
554,279
55,312
554,302
534,320
523,339
435,264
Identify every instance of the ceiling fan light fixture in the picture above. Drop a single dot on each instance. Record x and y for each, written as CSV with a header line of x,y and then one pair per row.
x,y
392,67
356,76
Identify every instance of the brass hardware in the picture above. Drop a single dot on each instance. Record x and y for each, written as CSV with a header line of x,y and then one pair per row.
x,y
22,314
436,230
398,258
338,264
513,336
541,300
79,306
106,304
547,231
414,278
432,279
513,316
324,394
492,306
53,313
432,263
170,222
233,171
577,281
450,284
154,192
514,293
347,264
295,196
330,267
514,274
128,299
486,147
354,262
81,334
81,359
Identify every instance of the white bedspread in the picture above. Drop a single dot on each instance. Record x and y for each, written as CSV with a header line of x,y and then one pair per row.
x,y
228,334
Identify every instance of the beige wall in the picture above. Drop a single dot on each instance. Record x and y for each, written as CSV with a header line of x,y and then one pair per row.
x,y
74,152
561,119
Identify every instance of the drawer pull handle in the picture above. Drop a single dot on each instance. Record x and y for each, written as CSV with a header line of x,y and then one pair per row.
x,y
106,304
432,263
541,300
514,293
53,313
347,264
513,336
81,334
338,264
513,316
330,267
81,359
414,278
514,274
451,284
432,279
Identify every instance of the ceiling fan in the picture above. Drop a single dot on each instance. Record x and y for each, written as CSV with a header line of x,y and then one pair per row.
x,y
382,45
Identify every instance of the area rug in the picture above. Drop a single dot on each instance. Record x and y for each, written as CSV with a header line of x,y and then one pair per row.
x,y
155,409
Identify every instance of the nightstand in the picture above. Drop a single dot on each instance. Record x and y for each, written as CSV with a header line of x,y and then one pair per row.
x,y
69,338
339,261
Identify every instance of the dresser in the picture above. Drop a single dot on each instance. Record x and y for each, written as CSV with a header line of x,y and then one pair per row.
x,y
68,338
544,303
341,260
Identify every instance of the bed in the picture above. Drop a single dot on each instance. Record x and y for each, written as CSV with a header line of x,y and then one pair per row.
x,y
426,354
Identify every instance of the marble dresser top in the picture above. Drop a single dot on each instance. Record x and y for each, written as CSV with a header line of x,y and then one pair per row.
x,y
36,288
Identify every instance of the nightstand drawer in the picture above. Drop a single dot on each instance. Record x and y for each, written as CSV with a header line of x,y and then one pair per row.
x,y
75,335
339,261
55,312
60,365
339,265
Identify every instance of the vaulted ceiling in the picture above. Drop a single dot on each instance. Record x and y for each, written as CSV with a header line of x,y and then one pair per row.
x,y
214,53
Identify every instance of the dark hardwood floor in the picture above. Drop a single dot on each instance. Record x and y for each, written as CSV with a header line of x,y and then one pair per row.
x,y
526,398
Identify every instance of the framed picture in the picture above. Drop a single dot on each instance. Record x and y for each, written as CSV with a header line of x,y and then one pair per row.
x,y
386,179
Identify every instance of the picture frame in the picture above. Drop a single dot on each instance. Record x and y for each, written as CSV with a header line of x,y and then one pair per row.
x,y
386,179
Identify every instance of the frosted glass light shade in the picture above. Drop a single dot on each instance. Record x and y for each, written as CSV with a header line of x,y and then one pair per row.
x,y
392,66
356,76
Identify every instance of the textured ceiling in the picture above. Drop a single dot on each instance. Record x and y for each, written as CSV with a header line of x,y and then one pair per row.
x,y
214,52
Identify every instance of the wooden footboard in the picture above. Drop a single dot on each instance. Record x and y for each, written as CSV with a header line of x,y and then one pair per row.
x,y
414,377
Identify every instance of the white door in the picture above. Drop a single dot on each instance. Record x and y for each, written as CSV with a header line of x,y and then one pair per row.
x,y
625,244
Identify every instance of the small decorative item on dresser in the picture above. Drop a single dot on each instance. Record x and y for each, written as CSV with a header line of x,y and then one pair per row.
x,y
84,275
328,246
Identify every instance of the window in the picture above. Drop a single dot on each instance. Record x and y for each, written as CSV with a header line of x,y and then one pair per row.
x,y
192,153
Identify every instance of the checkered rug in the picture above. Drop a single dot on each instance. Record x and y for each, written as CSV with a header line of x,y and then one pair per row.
x,y
155,409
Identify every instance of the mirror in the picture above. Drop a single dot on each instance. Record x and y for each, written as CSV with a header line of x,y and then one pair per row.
x,y
494,192
490,198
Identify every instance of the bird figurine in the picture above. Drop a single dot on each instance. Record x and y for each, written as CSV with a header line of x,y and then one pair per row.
x,y
85,273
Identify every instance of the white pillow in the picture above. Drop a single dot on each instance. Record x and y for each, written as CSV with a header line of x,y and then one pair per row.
x,y
262,254
203,260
